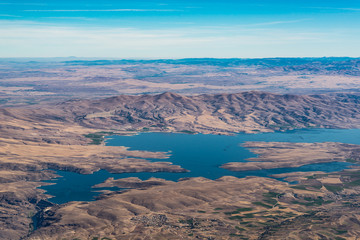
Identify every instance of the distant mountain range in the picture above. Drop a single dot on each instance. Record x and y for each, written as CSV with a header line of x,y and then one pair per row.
x,y
27,81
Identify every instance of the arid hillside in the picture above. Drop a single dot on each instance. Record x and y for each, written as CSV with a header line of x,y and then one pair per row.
x,y
63,136
207,113
247,111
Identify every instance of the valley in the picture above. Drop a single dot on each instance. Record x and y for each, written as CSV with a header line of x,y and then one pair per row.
x,y
283,160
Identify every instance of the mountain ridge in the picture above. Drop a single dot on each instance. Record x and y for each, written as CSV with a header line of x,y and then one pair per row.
x,y
206,113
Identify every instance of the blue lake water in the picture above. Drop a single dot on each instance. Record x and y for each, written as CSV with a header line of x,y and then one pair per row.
x,y
200,154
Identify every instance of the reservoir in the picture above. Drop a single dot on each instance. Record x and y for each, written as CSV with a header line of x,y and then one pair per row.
x,y
200,154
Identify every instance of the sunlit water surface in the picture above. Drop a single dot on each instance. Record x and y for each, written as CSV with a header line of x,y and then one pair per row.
x,y
200,154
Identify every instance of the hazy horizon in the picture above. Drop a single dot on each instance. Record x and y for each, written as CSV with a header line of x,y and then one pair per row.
x,y
173,29
155,59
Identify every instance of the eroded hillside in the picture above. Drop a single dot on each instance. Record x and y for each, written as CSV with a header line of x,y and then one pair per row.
x,y
34,140
207,113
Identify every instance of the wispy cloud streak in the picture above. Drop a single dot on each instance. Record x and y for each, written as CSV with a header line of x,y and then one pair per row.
x,y
278,22
9,15
70,18
335,8
23,4
103,10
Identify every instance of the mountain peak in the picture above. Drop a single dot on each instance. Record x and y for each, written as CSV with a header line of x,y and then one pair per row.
x,y
169,96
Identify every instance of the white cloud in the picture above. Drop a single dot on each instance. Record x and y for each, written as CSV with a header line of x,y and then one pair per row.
x,y
23,3
350,9
29,39
8,15
336,8
278,22
70,18
103,10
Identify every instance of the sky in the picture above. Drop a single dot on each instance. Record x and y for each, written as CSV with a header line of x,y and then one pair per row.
x,y
135,29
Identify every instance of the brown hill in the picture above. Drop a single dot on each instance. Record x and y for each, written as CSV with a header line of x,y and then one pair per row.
x,y
220,113
245,111
207,113
38,138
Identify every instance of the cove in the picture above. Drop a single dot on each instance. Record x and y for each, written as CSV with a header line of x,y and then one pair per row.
x,y
200,154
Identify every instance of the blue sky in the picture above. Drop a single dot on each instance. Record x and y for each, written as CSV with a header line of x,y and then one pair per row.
x,y
179,29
